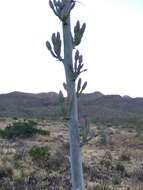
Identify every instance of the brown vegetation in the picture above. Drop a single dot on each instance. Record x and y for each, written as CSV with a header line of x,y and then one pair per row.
x,y
116,165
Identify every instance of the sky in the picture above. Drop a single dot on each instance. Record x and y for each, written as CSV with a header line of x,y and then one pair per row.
x,y
112,46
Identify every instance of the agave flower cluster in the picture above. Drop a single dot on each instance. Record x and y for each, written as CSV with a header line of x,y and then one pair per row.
x,y
62,9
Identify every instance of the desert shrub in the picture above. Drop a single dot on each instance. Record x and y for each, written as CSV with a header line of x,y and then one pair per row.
x,y
108,155
104,137
5,172
125,156
58,161
15,118
60,110
90,171
84,130
106,161
40,156
120,167
21,129
116,180
39,153
93,173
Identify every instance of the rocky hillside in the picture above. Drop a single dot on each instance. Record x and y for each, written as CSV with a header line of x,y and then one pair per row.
x,y
113,109
18,104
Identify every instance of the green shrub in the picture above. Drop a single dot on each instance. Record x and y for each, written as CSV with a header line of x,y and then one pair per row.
x,y
21,129
116,180
84,130
120,167
121,172
40,155
39,152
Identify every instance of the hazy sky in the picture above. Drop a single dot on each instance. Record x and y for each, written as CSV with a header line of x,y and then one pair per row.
x,y
112,46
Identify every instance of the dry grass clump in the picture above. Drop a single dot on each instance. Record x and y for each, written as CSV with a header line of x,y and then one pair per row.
x,y
137,154
17,169
138,173
100,186
136,187
125,155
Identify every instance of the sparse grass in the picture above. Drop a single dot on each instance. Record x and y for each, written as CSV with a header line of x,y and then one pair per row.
x,y
100,186
48,160
136,187
138,173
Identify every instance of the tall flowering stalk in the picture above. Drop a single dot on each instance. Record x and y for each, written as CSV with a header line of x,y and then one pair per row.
x,y
73,68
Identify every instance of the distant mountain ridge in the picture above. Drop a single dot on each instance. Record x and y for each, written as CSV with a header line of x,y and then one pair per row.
x,y
96,106
19,104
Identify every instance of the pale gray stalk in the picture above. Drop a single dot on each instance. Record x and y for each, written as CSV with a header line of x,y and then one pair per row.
x,y
62,9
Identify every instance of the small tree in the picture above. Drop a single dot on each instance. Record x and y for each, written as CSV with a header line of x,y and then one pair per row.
x,y
62,9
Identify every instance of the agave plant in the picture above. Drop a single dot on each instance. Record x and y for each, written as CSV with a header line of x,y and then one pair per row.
x,y
73,85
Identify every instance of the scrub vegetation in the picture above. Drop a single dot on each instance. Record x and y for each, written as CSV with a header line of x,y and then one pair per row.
x,y
42,161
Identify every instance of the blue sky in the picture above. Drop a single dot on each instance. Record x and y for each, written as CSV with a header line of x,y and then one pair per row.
x,y
112,46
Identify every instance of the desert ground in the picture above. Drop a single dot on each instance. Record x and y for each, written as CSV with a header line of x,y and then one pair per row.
x,y
113,159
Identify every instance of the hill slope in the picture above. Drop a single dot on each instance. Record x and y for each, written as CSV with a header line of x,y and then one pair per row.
x,y
96,106
18,104
114,109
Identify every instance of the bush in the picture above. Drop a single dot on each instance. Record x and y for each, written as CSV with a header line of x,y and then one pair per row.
x,y
40,155
125,156
116,180
21,129
120,167
5,172
39,152
104,137
121,172
58,161
84,130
